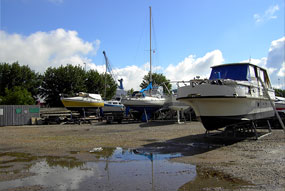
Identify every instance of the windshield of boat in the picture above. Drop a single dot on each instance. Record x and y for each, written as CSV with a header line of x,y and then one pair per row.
x,y
233,72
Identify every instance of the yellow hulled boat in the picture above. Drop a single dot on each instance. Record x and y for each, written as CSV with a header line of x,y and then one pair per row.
x,y
84,101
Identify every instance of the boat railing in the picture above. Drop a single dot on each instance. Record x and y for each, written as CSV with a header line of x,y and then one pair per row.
x,y
194,82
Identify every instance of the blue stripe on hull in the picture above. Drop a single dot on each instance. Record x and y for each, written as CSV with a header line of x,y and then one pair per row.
x,y
111,105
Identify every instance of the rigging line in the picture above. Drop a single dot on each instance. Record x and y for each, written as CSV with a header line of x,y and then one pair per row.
x,y
140,39
156,53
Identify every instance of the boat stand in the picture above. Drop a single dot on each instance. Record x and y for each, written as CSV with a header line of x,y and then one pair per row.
x,y
146,116
178,117
241,130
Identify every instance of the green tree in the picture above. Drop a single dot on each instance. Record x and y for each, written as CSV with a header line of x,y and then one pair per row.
x,y
130,92
12,75
279,92
95,83
70,80
17,96
67,80
158,79
111,86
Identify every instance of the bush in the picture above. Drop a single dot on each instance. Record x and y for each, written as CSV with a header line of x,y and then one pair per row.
x,y
17,96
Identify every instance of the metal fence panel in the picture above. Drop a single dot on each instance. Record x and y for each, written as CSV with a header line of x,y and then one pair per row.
x,y
18,114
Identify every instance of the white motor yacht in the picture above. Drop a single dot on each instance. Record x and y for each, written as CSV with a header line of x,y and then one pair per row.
x,y
234,93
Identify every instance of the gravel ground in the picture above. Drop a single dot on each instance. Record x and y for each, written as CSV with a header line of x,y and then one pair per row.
x,y
257,162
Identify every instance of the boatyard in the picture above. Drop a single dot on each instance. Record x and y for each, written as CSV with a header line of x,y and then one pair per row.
x,y
187,95
211,163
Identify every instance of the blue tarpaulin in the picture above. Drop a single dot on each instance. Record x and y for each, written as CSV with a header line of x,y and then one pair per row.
x,y
233,72
147,88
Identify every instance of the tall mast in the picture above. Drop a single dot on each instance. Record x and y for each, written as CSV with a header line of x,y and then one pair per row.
x,y
150,78
106,60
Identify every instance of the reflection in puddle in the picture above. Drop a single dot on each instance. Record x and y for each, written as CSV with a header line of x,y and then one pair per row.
x,y
114,169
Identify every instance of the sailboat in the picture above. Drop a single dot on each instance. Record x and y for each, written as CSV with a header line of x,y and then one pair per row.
x,y
147,100
83,102
234,93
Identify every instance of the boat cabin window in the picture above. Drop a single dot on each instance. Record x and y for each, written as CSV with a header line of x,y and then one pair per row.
x,y
261,74
264,78
233,72
252,74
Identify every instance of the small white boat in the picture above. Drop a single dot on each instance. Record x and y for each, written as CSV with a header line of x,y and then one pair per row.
x,y
113,106
233,93
84,101
173,104
280,104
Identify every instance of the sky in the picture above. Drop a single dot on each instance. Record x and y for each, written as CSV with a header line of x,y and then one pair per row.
x,y
188,36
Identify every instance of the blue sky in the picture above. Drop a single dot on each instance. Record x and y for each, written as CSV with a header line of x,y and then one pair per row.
x,y
188,37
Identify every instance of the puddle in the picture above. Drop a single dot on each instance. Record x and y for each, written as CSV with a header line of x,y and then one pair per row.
x,y
113,169
214,180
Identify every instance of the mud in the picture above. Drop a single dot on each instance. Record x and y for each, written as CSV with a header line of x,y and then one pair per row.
x,y
246,164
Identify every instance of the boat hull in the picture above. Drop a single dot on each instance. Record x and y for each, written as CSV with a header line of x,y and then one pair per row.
x,y
150,105
81,105
144,107
217,122
78,104
280,105
215,113
112,108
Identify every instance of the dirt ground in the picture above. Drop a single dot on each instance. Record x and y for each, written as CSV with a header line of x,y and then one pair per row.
x,y
258,162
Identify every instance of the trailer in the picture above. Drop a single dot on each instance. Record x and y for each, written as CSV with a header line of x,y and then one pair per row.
x,y
64,116
111,117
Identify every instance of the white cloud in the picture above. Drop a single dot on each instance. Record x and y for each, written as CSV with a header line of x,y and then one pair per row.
x,y
64,178
41,50
274,62
262,63
267,15
281,72
132,76
187,69
191,66
276,53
